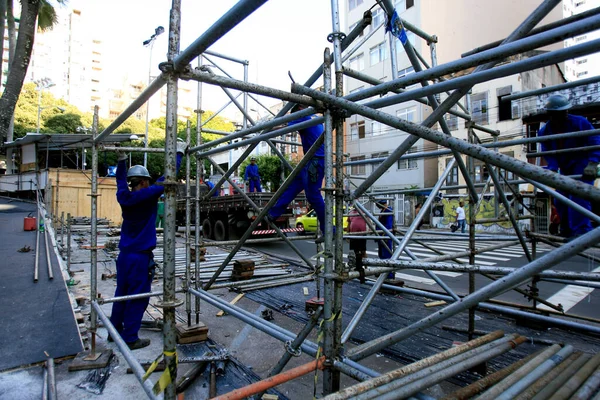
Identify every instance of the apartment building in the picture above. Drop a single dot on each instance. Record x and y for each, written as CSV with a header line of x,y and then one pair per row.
x,y
587,66
460,26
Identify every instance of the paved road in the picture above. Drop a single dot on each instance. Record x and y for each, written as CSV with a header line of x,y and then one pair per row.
x,y
576,300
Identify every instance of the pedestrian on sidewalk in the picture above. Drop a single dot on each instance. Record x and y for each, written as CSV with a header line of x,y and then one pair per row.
x,y
135,265
461,218
356,223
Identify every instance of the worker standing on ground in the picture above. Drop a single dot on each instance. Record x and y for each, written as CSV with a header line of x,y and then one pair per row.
x,y
461,218
135,264
160,212
584,163
385,247
356,223
310,178
252,177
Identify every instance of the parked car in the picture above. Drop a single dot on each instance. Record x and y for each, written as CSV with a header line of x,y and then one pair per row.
x,y
308,222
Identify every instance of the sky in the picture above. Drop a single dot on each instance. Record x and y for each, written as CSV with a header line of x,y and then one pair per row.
x,y
280,36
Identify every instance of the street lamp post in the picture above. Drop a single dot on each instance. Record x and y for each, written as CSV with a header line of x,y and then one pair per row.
x,y
150,43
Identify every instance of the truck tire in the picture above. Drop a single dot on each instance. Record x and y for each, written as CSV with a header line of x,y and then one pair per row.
x,y
207,229
220,230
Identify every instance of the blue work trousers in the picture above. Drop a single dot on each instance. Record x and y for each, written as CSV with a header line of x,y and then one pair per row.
x,y
135,272
255,184
462,225
573,223
310,179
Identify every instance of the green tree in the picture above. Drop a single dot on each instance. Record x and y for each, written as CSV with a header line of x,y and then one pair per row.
x,y
63,123
19,62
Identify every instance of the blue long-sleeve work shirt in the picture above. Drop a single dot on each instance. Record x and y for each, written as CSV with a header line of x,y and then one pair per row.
x,y
251,171
309,136
570,163
139,209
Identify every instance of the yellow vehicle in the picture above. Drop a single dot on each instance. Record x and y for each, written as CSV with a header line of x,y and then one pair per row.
x,y
308,222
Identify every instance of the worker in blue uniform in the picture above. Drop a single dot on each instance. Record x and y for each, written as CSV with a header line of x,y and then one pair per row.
x,y
387,220
252,177
310,179
584,163
135,264
210,186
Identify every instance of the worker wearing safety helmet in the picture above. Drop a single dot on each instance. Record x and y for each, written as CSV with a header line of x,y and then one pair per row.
x,y
252,177
583,162
135,265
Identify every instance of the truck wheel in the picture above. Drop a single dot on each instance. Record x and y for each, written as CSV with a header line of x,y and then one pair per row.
x,y
220,230
207,229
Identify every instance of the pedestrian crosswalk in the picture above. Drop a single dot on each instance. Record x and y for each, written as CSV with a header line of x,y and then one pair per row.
x,y
491,258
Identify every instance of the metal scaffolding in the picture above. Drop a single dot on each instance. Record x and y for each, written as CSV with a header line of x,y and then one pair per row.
x,y
335,109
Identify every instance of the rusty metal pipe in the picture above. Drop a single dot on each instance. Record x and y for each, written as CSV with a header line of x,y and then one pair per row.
x,y
549,377
577,379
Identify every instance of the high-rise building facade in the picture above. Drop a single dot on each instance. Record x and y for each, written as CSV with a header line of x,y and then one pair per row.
x,y
586,66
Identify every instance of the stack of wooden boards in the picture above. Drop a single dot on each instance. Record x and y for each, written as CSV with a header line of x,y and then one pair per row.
x,y
242,270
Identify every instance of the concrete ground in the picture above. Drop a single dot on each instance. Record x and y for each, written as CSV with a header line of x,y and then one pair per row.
x,y
253,349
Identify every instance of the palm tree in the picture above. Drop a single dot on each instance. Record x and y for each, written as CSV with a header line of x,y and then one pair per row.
x,y
34,13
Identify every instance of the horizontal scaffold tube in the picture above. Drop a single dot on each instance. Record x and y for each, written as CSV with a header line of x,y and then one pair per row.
x,y
508,163
505,143
499,53
227,22
400,264
492,290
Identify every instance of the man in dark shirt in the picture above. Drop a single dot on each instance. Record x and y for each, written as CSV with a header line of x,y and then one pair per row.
x,y
135,265
585,163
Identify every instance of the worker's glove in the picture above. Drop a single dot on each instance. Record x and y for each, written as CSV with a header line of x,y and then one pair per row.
x,y
591,171
181,146
121,155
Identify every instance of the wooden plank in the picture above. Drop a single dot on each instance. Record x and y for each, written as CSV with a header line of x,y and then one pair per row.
x,y
232,302
435,303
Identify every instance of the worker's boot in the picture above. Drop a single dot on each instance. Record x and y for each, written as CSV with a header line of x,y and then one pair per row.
x,y
139,344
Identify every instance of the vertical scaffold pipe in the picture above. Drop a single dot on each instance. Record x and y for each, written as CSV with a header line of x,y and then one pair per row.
x,y
169,299
338,125
94,230
330,376
199,175
188,260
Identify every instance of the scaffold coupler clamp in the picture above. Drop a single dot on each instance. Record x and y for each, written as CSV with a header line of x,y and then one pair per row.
x,y
333,35
293,352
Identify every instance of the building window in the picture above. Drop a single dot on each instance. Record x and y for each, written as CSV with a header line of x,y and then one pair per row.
x,y
479,105
406,71
580,38
376,128
358,63
378,53
357,130
451,119
504,107
582,61
383,154
452,179
410,163
352,4
294,148
582,73
408,114
377,18
358,169
404,5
